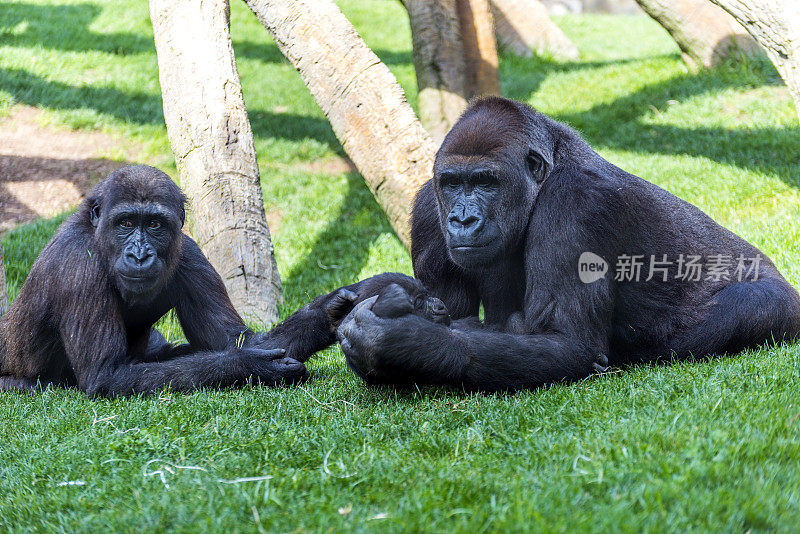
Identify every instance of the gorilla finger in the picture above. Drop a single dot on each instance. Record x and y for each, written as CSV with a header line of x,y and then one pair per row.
x,y
363,311
601,363
267,354
365,304
347,294
290,364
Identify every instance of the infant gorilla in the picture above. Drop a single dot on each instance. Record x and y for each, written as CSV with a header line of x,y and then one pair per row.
x,y
402,296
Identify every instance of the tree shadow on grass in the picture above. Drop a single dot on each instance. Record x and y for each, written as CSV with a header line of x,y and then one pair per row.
x,y
64,27
619,125
144,108
341,250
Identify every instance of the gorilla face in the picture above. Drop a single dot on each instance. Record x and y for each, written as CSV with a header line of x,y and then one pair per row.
x,y
486,185
141,237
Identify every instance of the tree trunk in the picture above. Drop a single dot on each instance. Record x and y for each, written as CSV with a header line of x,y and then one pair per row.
x,y
704,32
480,47
361,98
3,292
524,28
439,63
775,24
212,141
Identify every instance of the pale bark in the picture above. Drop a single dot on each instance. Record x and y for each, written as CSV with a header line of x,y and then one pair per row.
x,y
480,47
775,24
361,98
524,28
705,34
212,141
3,292
439,64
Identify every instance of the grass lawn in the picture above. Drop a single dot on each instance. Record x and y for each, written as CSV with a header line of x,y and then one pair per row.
x,y
707,445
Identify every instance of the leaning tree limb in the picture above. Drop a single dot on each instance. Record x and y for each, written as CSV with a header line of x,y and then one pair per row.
x,y
775,24
705,34
439,63
212,141
360,97
3,292
524,28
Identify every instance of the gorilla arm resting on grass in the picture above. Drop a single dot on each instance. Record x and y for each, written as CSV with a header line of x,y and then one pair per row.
x,y
85,314
515,201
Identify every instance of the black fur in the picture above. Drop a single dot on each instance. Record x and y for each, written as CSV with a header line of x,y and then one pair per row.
x,y
515,200
85,314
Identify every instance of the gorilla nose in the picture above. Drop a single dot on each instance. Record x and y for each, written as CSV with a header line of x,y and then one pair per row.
x,y
141,258
438,307
465,223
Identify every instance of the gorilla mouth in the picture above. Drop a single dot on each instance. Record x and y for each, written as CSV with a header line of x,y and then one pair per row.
x,y
133,278
467,248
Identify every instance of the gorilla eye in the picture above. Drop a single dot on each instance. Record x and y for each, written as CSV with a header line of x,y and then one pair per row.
x,y
484,179
126,223
536,166
449,179
154,225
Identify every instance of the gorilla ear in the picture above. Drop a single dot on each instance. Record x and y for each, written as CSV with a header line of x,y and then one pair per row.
x,y
537,166
94,214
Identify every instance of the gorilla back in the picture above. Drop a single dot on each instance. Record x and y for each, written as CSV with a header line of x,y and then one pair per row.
x,y
518,205
85,314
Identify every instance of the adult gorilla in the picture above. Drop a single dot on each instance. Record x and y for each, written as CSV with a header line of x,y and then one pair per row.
x,y
86,312
515,202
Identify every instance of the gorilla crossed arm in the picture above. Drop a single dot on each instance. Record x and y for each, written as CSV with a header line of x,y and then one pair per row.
x,y
85,314
515,201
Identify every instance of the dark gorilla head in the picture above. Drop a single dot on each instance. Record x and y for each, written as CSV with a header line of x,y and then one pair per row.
x,y
396,295
487,175
137,214
395,301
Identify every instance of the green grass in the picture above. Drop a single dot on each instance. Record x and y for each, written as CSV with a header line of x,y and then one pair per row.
x,y
707,445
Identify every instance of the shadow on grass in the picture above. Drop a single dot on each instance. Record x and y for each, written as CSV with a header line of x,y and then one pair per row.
x,y
144,108
342,249
67,27
618,124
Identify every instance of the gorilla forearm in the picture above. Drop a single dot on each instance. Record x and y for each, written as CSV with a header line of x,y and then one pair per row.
x,y
303,333
410,349
184,373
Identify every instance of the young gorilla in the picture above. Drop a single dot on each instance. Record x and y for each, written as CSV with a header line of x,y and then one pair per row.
x,y
515,201
313,327
85,314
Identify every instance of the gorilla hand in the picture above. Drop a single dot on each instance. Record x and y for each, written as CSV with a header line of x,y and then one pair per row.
x,y
272,366
383,345
340,304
